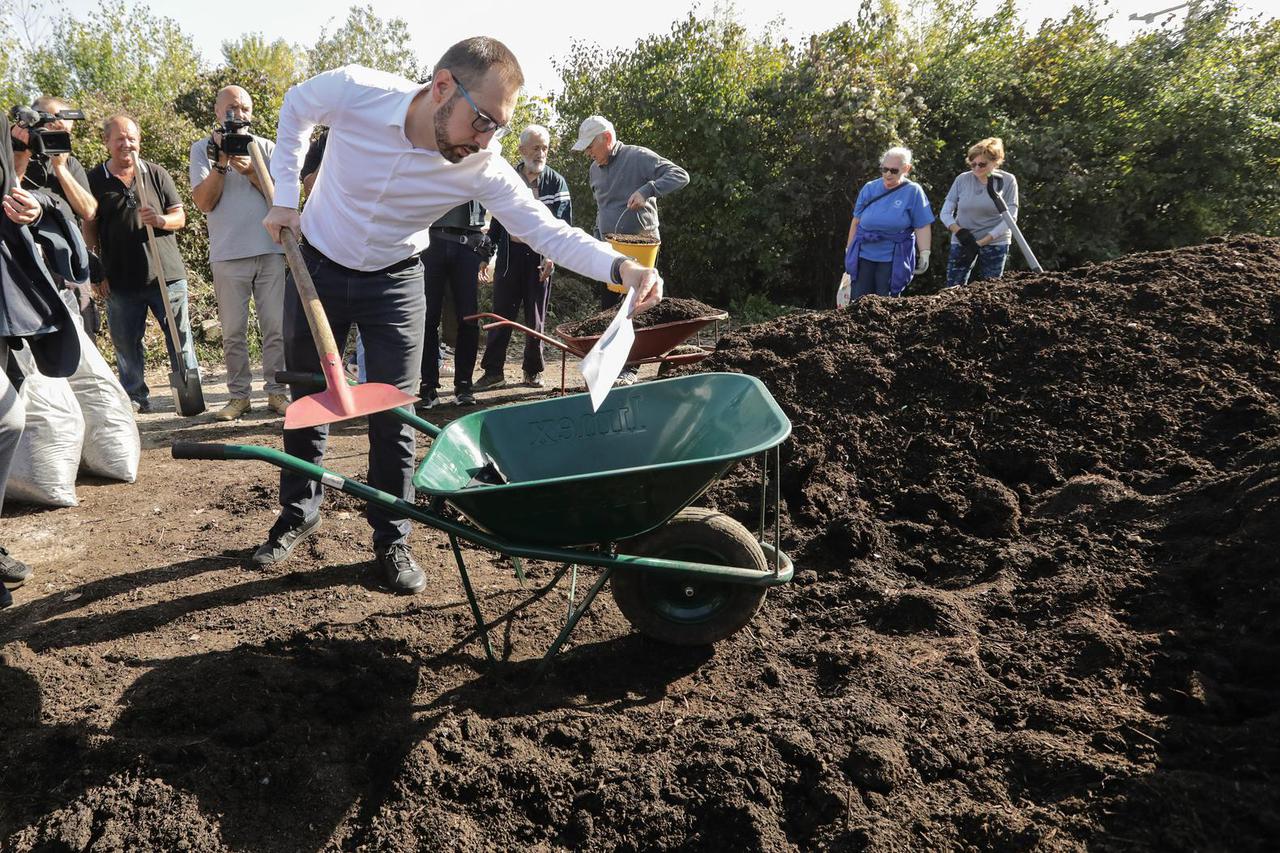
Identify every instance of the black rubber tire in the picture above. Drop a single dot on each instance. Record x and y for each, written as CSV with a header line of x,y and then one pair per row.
x,y
690,611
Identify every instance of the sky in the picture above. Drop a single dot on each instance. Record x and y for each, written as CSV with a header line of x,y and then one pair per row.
x,y
537,33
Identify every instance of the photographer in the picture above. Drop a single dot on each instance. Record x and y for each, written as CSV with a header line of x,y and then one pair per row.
x,y
245,261
458,249
56,171
31,314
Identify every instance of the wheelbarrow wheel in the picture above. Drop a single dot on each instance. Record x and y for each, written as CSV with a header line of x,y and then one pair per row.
x,y
690,611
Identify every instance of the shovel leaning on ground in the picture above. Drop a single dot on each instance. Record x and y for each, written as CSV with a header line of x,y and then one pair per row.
x,y
994,192
184,376
339,401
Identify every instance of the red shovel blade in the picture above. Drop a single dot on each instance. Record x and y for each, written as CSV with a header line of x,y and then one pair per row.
x,y
340,401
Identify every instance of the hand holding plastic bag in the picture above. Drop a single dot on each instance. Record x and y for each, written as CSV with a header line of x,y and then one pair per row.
x,y
844,293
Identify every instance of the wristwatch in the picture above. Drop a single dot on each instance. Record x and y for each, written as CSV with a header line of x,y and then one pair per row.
x,y
615,273
222,170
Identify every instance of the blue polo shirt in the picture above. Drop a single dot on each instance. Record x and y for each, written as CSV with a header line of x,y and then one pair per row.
x,y
906,208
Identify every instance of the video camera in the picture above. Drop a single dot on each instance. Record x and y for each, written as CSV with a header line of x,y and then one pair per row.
x,y
234,141
41,140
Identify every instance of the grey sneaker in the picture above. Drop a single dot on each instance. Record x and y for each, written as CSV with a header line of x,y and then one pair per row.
x,y
489,380
427,401
13,573
627,376
280,544
464,398
533,380
399,570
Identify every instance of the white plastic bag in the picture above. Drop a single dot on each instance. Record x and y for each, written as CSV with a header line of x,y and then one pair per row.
x,y
844,293
112,447
44,467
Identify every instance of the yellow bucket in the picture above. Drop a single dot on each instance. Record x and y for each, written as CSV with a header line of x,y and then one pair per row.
x,y
644,254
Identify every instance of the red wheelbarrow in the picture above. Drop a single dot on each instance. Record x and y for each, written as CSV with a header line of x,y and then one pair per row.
x,y
653,345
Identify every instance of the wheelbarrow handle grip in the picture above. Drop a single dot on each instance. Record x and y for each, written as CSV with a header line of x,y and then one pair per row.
x,y
199,450
299,377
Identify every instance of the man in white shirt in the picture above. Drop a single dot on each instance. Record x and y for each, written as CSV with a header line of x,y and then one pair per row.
x,y
399,156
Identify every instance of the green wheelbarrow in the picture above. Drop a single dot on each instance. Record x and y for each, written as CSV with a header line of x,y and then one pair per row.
x,y
551,480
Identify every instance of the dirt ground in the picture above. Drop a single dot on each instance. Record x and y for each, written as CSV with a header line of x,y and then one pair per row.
x,y
1036,526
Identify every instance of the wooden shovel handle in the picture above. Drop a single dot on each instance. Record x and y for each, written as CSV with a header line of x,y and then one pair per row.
x,y
143,193
311,306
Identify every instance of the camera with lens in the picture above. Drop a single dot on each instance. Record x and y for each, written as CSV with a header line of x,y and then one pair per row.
x,y
43,141
235,140
482,245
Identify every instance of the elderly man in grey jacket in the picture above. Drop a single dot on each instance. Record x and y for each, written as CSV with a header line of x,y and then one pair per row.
x,y
627,181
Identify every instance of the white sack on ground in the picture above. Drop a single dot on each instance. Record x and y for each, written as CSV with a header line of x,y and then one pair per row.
x,y
44,467
112,447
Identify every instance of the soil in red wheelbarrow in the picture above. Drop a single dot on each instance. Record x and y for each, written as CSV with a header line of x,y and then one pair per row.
x,y
666,311
1036,525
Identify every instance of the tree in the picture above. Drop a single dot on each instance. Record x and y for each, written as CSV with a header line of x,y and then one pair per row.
x,y
368,40
279,62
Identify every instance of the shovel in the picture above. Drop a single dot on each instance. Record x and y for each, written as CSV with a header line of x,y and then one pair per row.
x,y
339,401
184,378
994,192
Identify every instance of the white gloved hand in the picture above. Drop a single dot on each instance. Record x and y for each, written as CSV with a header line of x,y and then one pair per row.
x,y
844,292
922,261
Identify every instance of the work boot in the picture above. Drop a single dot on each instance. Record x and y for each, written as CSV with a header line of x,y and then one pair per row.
x,y
399,570
489,380
281,542
13,573
533,380
5,598
233,410
277,403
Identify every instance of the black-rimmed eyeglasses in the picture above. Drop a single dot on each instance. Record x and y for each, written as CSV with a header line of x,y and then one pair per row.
x,y
483,122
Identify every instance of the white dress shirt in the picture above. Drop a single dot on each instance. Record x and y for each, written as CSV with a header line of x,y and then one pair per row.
x,y
376,195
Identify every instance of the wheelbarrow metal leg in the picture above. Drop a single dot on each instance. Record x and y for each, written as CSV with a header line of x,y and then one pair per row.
x,y
573,591
572,621
471,599
764,491
777,511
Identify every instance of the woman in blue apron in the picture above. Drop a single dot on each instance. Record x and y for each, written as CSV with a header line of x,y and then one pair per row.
x,y
889,236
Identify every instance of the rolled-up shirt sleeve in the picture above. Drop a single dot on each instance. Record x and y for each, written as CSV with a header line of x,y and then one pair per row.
x,y
529,219
312,102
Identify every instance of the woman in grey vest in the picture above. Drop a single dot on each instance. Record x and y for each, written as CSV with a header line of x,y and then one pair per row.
x,y
979,236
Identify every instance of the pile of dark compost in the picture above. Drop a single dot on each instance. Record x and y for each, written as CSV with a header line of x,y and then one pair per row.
x,y
1036,525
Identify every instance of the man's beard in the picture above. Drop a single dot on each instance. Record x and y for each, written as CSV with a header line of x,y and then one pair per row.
x,y
534,167
451,152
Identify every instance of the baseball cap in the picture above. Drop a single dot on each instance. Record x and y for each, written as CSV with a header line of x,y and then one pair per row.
x,y
591,127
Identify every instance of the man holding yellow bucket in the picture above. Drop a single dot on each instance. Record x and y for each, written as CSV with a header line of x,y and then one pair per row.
x,y
627,181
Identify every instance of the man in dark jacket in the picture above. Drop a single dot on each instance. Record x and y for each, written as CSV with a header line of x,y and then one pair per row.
x,y
31,314
521,274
